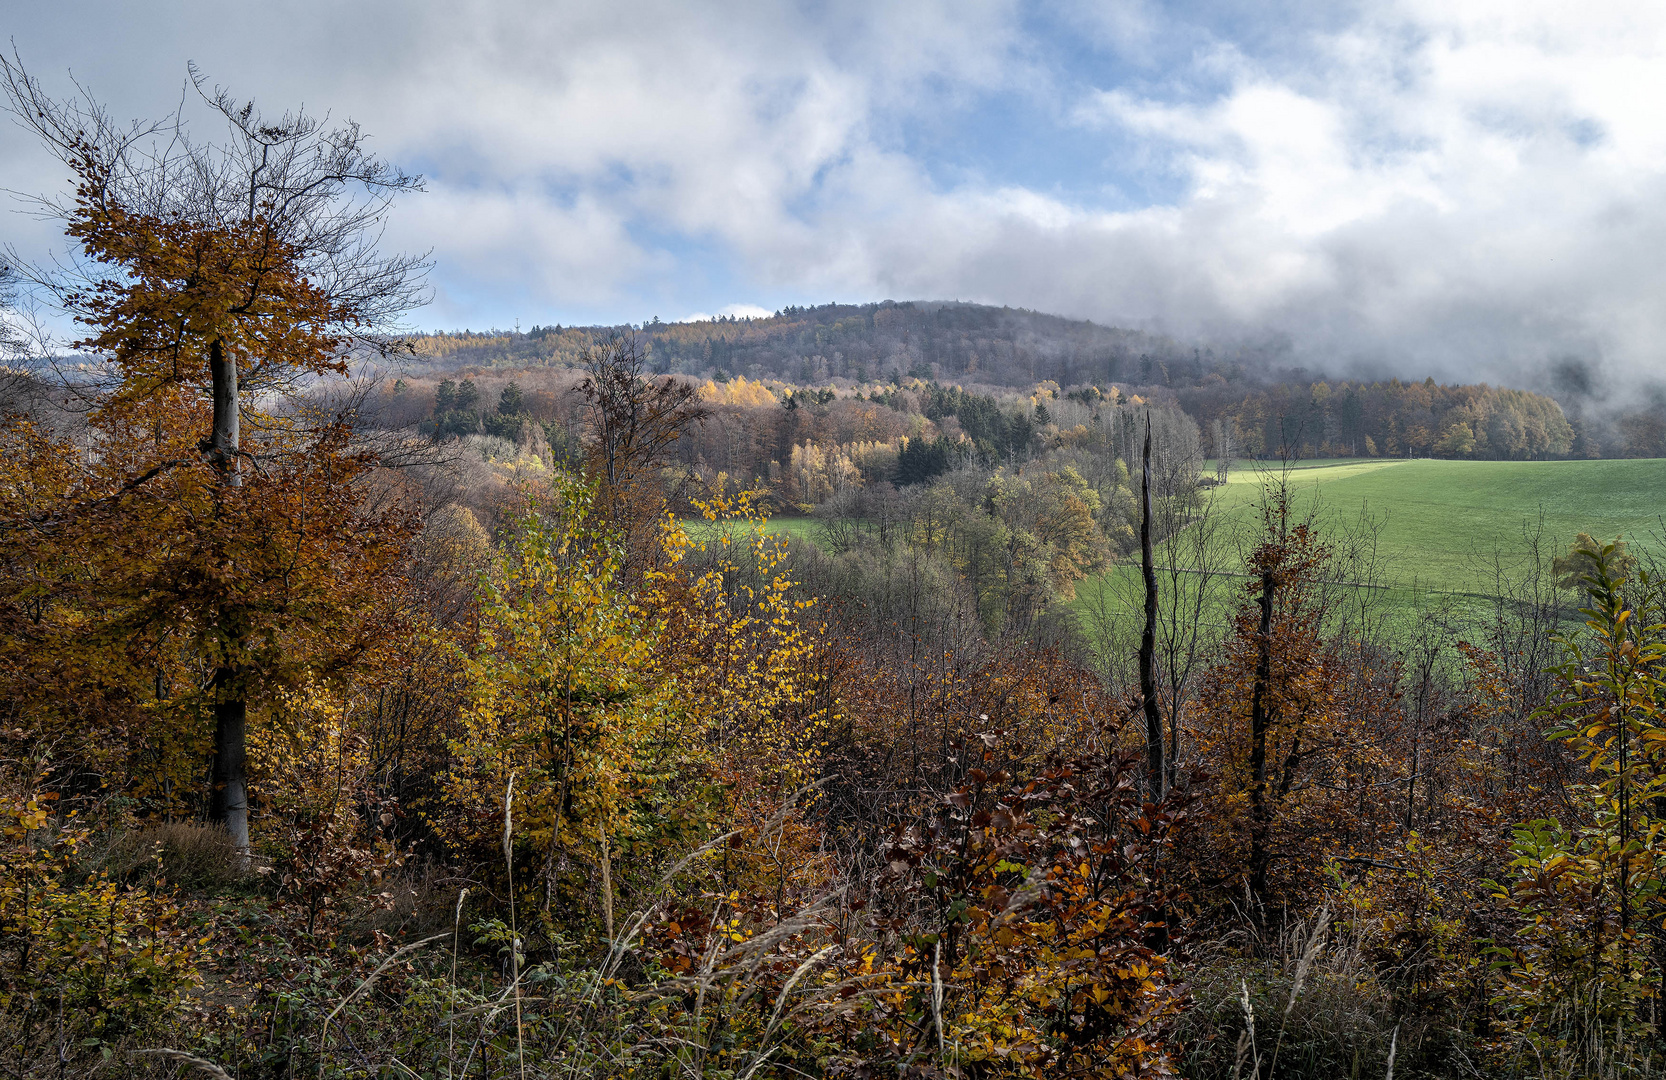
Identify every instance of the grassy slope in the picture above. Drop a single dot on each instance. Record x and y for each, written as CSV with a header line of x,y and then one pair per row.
x,y
1439,522
1438,517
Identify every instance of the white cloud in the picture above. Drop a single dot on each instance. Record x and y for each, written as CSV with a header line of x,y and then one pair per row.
x,y
739,311
1474,186
1476,193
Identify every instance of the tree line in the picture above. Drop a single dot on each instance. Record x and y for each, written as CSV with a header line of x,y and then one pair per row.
x,y
1263,404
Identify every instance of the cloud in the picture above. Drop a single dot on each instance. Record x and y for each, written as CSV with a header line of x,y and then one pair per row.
x,y
739,311
1473,189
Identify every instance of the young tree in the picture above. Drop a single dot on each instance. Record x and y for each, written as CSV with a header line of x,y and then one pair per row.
x,y
219,269
1270,722
563,691
1586,892
633,422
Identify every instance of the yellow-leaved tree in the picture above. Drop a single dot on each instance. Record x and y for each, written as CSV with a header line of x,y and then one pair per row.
x,y
567,699
748,643
745,646
631,714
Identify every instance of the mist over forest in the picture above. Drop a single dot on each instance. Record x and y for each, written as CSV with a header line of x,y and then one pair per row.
x,y
1266,405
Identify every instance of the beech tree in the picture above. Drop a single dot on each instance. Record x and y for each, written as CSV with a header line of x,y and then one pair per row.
x,y
219,270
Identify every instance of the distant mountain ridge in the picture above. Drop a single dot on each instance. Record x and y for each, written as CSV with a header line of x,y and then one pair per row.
x,y
1259,404
942,340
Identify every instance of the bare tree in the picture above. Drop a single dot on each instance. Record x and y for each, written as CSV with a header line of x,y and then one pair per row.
x,y
1155,773
1224,452
11,337
1191,552
313,196
1193,564
633,421
20,391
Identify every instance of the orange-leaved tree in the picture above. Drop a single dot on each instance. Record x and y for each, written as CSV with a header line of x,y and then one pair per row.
x,y
218,274
1270,721
122,604
748,651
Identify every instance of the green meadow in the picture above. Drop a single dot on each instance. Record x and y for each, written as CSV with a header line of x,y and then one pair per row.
x,y
804,528
1439,522
1441,527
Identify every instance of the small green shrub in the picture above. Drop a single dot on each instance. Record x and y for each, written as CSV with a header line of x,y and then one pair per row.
x,y
85,960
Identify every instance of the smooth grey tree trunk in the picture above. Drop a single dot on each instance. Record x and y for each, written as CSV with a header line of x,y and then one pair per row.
x,y
229,804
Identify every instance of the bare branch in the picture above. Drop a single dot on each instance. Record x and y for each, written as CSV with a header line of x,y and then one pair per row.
x,y
313,189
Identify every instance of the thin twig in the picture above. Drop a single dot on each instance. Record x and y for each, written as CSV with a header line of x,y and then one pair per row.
x,y
189,1059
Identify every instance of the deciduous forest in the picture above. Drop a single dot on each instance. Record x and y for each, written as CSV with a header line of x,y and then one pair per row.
x,y
1262,404
679,703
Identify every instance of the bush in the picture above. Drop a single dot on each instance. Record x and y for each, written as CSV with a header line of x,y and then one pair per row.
x,y
87,960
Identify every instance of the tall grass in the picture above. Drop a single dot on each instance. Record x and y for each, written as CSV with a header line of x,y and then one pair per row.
x,y
1300,1000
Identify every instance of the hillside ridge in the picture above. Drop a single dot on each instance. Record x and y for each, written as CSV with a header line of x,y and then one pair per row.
x,y
944,340
1242,401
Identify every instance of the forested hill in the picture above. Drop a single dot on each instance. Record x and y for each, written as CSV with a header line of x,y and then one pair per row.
x,y
1256,405
956,342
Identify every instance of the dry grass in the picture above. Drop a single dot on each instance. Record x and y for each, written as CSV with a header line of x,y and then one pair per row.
x,y
188,854
421,901
1319,1011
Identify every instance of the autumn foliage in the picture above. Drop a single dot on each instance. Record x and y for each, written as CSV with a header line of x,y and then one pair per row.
x,y
569,764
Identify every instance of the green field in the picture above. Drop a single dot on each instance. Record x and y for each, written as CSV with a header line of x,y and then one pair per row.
x,y
1440,521
1441,526
805,528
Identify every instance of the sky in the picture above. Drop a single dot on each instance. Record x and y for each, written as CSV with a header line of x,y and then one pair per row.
x,y
1470,188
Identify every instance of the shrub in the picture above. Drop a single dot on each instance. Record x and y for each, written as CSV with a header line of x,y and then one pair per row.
x,y
87,961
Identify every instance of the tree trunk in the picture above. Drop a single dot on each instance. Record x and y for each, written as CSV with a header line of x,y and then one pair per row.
x,y
223,441
229,802
1261,722
1155,775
